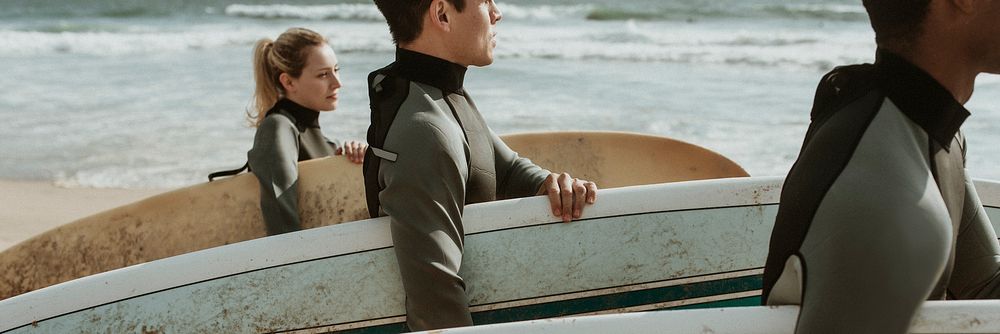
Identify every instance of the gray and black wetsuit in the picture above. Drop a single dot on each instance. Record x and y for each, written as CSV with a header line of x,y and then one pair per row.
x,y
290,133
438,156
878,214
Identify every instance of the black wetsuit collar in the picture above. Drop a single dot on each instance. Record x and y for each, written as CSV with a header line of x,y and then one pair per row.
x,y
920,97
304,117
437,72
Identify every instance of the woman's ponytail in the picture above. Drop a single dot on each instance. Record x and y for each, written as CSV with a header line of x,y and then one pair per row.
x,y
266,92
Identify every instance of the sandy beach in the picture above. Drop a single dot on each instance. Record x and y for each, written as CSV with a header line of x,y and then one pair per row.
x,y
31,208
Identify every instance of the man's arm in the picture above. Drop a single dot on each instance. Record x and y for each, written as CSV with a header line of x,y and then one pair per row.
x,y
274,160
516,176
519,177
976,274
424,195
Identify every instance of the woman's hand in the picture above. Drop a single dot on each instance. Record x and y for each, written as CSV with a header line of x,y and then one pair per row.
x,y
353,150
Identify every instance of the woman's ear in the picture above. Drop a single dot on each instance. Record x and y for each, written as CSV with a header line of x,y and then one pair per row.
x,y
287,82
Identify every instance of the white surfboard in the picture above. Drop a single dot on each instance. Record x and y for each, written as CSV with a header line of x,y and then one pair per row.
x,y
330,191
696,244
934,317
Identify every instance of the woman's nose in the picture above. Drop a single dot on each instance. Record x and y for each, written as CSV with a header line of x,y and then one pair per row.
x,y
336,83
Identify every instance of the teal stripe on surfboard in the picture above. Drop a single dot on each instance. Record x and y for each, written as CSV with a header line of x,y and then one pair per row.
x,y
609,302
738,302
620,300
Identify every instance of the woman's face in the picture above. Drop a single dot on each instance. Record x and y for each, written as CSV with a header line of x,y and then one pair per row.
x,y
319,84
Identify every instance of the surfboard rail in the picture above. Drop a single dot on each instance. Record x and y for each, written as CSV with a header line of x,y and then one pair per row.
x,y
150,278
934,317
331,191
693,244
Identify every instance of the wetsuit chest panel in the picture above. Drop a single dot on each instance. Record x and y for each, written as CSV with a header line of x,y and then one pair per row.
x,y
482,181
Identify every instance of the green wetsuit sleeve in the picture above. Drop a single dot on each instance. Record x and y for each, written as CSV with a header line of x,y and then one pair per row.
x,y
516,176
977,253
424,196
274,160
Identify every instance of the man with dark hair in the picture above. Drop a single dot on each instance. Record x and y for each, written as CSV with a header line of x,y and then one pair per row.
x,y
878,214
406,18
897,23
432,153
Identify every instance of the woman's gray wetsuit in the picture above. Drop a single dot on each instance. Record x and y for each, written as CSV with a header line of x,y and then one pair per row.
x,y
438,156
878,214
290,133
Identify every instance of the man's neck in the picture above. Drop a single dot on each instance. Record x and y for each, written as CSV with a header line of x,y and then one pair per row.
x,y
430,48
946,65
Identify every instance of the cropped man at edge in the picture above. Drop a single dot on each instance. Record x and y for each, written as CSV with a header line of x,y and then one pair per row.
x,y
432,153
878,213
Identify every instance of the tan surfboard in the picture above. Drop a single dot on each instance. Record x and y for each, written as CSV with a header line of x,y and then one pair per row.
x,y
619,159
331,191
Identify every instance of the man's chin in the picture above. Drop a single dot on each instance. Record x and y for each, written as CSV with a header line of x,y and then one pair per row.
x,y
484,62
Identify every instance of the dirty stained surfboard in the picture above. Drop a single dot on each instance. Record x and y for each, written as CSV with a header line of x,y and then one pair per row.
x,y
695,244
934,317
331,191
638,248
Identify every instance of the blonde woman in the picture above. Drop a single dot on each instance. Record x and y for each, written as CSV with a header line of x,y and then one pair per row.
x,y
297,77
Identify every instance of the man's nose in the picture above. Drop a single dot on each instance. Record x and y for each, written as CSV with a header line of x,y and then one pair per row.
x,y
495,13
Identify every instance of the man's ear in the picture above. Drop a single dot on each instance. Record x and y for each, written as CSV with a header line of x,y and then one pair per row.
x,y
965,6
439,11
286,82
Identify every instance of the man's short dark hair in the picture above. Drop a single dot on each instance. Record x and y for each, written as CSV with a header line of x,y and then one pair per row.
x,y
897,21
405,17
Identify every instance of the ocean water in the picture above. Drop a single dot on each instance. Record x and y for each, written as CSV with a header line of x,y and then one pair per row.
x,y
139,94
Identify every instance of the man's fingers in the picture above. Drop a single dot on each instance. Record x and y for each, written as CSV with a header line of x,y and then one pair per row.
x,y
579,196
591,192
552,190
566,194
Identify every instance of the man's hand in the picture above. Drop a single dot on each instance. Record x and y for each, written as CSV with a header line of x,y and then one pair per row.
x,y
354,151
568,195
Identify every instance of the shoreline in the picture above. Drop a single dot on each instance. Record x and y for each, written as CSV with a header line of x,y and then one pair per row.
x,y
29,208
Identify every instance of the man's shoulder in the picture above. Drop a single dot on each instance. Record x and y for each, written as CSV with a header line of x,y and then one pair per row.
x,y
420,126
389,91
385,85
841,88
869,153
847,100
